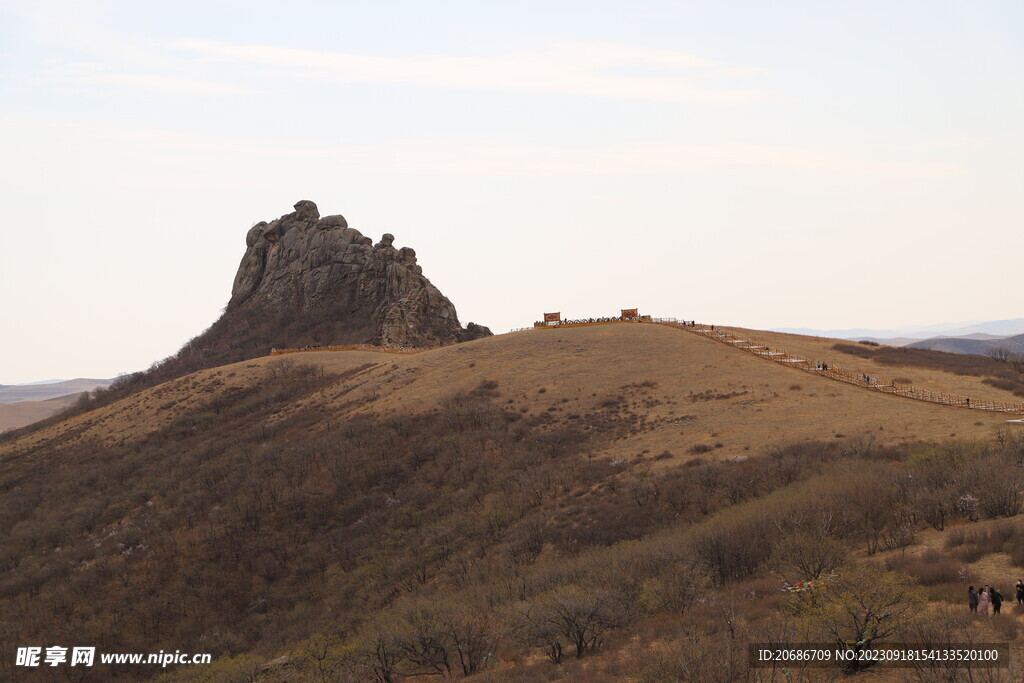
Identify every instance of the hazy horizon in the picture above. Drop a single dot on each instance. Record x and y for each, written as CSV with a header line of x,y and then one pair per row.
x,y
792,165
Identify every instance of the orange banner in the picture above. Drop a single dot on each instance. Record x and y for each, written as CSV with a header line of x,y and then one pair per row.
x,y
629,312
552,317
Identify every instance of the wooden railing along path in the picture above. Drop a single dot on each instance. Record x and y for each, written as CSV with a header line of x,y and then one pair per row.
x,y
829,370
823,368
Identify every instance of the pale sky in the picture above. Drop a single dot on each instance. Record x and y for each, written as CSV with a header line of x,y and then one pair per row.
x,y
766,164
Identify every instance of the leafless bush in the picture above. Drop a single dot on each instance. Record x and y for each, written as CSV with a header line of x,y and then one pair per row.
x,y
930,568
1000,353
576,616
806,555
712,653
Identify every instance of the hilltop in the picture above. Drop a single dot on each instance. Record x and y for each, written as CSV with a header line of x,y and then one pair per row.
x,y
684,391
307,280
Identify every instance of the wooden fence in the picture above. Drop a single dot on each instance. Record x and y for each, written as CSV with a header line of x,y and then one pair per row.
x,y
749,345
829,370
589,321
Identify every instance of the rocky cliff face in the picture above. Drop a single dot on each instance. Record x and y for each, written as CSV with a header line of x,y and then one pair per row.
x,y
312,281
327,283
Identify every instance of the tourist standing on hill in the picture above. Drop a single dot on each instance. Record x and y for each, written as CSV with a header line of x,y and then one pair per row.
x,y
1020,592
983,601
972,598
997,600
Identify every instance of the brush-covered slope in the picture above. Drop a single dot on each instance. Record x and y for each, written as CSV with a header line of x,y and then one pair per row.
x,y
280,505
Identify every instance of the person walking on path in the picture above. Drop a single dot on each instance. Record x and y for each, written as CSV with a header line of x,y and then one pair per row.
x,y
983,601
1020,592
972,598
997,600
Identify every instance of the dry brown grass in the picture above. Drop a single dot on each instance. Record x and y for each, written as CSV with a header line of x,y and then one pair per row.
x,y
354,480
932,378
655,375
15,415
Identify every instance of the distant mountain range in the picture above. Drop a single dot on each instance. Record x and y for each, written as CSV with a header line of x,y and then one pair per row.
x,y
996,328
977,344
43,391
14,415
23,404
978,338
42,381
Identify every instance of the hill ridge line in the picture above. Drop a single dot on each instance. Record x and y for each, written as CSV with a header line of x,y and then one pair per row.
x,y
830,371
822,368
755,347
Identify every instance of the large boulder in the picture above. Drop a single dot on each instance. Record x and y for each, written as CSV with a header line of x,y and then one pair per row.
x,y
326,283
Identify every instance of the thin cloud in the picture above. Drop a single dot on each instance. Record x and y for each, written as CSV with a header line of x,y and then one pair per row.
x,y
85,75
432,158
575,69
102,58
655,160
593,69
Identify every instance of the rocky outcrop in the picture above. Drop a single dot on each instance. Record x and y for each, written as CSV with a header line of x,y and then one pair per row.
x,y
301,267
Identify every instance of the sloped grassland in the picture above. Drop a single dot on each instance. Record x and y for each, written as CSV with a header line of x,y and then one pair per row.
x,y
356,515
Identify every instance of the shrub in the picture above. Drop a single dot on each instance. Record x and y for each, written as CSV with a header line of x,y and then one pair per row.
x,y
859,607
710,653
930,568
806,555
573,616
956,363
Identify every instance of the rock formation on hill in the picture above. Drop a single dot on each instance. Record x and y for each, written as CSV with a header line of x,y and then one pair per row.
x,y
311,281
327,283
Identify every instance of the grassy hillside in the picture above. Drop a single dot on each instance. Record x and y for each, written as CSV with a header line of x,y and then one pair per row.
x,y
599,503
976,376
698,391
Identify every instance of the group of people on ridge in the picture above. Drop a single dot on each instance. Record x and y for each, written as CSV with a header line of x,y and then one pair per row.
x,y
980,600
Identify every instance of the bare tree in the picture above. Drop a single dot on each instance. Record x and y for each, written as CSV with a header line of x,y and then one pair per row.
x,y
576,616
860,607
1000,353
677,588
379,654
807,555
1012,442
935,505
